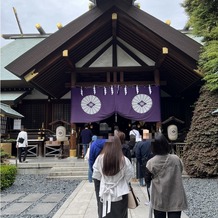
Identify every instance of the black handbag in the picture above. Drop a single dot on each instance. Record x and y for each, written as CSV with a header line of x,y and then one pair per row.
x,y
21,140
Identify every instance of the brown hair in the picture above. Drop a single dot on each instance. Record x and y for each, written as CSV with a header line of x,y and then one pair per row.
x,y
113,159
122,137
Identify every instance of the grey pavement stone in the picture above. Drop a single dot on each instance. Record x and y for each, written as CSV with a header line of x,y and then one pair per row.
x,y
15,209
10,197
3,204
42,209
53,198
32,197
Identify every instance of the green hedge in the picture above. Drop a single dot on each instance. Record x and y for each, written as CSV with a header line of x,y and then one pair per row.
x,y
8,175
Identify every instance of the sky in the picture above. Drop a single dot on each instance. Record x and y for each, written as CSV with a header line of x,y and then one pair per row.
x,y
50,12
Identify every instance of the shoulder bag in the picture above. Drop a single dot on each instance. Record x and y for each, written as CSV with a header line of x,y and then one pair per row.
x,y
132,199
21,140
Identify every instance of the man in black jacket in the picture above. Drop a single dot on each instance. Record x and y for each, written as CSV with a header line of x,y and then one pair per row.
x,y
143,154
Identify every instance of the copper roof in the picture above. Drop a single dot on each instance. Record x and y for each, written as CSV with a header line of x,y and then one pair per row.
x,y
140,30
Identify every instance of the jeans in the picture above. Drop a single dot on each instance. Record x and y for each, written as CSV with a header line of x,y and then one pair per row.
x,y
161,214
90,174
85,147
20,150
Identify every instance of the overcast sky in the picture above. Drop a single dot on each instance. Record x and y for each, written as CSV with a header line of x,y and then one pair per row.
x,y
50,12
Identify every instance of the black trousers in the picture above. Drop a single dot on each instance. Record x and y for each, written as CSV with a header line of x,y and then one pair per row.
x,y
20,151
97,188
161,214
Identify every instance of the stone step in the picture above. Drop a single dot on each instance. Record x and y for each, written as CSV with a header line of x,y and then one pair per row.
x,y
85,177
61,169
76,172
51,165
70,173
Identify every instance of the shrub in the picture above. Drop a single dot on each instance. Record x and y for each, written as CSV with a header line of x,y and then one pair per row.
x,y
4,156
8,175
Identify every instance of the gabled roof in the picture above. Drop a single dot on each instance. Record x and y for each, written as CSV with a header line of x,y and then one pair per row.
x,y
137,29
6,110
9,53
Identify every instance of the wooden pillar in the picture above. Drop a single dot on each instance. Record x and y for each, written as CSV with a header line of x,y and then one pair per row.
x,y
157,82
114,77
108,77
121,77
73,82
73,136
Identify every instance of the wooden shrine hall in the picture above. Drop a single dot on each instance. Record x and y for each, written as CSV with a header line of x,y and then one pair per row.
x,y
114,44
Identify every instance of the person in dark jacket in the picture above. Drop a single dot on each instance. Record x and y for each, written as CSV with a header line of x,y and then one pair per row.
x,y
125,147
143,154
95,150
86,136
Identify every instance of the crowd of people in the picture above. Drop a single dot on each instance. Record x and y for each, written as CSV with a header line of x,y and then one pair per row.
x,y
113,163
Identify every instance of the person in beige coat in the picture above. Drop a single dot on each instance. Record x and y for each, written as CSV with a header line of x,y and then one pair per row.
x,y
164,173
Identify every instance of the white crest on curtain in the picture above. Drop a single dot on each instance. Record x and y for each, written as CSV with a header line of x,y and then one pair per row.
x,y
149,88
125,90
105,91
137,89
112,90
94,89
81,91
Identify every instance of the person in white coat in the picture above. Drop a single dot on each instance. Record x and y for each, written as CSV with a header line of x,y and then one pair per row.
x,y
22,143
114,171
134,132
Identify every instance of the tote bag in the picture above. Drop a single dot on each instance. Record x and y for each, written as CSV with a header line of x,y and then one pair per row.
x,y
132,199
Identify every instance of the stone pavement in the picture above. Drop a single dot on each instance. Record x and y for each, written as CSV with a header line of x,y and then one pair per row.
x,y
40,203
80,204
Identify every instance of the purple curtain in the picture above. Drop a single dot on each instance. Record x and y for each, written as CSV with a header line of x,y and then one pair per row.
x,y
141,103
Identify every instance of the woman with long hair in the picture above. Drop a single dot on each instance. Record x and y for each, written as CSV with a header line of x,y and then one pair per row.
x,y
114,171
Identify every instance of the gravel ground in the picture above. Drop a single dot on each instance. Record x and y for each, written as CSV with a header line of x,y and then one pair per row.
x,y
202,197
202,194
39,184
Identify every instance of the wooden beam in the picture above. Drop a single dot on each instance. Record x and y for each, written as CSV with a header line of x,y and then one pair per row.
x,y
114,25
157,77
161,57
108,77
90,84
115,69
114,77
71,66
98,54
67,59
114,35
130,53
121,77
